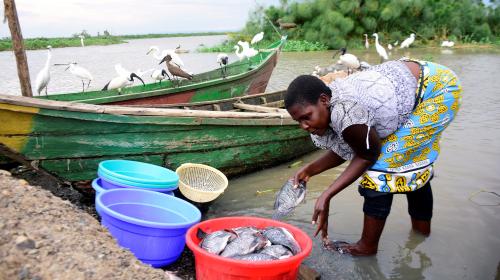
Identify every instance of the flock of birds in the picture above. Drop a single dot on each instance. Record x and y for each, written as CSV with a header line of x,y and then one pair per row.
x,y
174,66
352,63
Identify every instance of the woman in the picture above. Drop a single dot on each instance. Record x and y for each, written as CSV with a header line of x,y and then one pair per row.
x,y
387,121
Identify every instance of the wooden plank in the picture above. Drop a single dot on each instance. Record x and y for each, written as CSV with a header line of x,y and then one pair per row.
x,y
307,273
18,46
258,108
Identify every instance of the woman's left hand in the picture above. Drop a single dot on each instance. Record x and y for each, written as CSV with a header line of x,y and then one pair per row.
x,y
320,216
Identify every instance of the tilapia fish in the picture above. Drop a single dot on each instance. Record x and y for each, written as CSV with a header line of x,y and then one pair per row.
x,y
277,251
216,241
288,198
281,236
245,244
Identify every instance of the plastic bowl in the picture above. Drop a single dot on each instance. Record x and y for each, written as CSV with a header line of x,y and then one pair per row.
x,y
110,182
211,266
139,172
151,224
99,185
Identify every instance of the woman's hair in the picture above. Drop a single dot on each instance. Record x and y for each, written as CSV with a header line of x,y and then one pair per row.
x,y
305,89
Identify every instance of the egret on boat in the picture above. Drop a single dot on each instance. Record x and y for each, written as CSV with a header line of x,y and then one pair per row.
x,y
257,38
347,59
380,50
367,44
160,75
408,41
175,70
154,50
43,77
81,40
81,73
223,59
247,51
238,52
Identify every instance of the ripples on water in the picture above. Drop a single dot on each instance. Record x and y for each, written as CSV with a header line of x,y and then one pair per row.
x,y
465,242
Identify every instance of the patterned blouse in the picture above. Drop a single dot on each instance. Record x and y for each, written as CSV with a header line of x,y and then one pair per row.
x,y
382,97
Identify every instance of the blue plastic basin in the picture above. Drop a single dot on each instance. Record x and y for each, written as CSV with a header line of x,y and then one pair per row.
x,y
138,172
99,186
122,182
151,224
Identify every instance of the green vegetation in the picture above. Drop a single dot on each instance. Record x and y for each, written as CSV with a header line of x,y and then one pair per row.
x,y
339,23
101,39
290,46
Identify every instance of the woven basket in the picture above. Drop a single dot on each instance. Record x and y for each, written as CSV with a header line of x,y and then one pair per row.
x,y
200,183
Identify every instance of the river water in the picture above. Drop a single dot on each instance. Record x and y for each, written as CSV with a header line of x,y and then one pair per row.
x,y
465,239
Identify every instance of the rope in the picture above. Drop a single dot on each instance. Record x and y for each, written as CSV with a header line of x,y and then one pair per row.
x,y
270,22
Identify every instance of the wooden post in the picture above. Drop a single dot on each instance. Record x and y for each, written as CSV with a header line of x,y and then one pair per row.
x,y
18,46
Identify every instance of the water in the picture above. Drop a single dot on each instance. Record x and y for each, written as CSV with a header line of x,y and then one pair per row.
x,y
465,239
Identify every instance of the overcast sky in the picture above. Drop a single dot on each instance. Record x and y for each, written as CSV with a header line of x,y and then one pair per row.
x,y
62,18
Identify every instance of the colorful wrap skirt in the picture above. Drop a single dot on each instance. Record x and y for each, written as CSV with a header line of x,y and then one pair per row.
x,y
407,156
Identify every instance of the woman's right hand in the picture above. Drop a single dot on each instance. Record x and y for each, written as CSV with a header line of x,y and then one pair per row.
x,y
302,175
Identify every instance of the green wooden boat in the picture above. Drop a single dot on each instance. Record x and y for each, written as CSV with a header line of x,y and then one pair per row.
x,y
68,140
242,78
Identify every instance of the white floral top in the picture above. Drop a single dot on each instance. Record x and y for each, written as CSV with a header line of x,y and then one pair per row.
x,y
382,97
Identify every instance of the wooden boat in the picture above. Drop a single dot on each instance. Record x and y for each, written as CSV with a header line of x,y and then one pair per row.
x,y
68,140
243,77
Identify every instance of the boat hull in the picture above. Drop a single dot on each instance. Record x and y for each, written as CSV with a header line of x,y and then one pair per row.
x,y
69,144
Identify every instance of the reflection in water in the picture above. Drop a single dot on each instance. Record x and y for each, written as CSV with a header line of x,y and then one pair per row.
x,y
409,260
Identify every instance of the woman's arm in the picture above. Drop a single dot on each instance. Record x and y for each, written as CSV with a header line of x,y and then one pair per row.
x,y
355,136
326,161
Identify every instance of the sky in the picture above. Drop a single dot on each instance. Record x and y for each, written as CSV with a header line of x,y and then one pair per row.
x,y
63,18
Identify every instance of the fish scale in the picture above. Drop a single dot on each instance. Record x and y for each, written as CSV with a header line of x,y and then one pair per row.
x,y
288,198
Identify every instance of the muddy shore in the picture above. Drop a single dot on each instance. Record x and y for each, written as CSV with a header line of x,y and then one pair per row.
x,y
51,231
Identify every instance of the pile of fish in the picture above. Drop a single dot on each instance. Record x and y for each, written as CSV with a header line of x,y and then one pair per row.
x,y
287,198
250,243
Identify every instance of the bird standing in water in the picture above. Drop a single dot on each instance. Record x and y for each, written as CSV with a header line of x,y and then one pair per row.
x,y
380,50
43,77
367,44
408,41
175,70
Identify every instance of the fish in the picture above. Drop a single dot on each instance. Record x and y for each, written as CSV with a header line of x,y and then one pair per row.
x,y
277,251
245,244
245,230
287,198
255,257
281,236
216,241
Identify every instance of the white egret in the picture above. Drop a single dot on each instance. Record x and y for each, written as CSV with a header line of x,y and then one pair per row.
x,y
367,44
155,51
380,50
160,75
347,59
238,52
81,40
257,38
408,41
81,73
247,51
43,77
396,43
223,59
389,46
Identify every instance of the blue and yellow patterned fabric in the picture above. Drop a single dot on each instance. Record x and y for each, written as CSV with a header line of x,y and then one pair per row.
x,y
407,156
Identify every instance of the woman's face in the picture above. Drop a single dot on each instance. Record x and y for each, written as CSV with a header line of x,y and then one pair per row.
x,y
313,118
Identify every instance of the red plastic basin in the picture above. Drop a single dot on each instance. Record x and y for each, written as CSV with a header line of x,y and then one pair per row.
x,y
210,266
